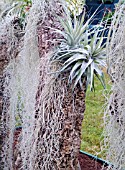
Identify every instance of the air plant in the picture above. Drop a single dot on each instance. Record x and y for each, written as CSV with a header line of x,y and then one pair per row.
x,y
18,9
81,52
75,6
